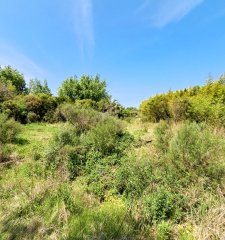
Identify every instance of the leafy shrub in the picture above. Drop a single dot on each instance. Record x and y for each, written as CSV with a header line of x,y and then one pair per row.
x,y
162,205
164,231
66,153
179,108
134,176
85,103
15,108
100,174
5,152
104,136
11,76
9,129
82,119
32,117
199,104
43,105
155,109
195,152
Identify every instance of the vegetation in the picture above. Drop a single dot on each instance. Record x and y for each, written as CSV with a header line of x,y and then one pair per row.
x,y
91,169
73,89
199,104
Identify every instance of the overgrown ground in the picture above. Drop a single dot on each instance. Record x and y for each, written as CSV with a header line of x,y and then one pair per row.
x,y
160,181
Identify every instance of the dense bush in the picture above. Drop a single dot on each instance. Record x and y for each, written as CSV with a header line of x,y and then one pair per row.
x,y
79,146
134,176
200,104
155,109
192,152
162,204
8,129
32,117
104,136
15,108
82,118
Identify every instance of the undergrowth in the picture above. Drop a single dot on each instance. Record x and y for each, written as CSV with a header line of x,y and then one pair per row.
x,y
99,181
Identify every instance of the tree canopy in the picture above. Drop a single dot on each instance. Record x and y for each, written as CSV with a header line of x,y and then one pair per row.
x,y
12,78
86,87
35,87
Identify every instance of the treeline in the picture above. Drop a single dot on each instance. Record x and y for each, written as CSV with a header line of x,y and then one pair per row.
x,y
200,104
34,102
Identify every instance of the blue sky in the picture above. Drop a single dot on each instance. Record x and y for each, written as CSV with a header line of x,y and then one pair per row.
x,y
141,47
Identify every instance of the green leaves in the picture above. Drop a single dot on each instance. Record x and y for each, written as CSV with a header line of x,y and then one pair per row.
x,y
86,87
11,77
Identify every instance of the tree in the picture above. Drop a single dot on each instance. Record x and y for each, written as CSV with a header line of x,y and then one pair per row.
x,y
35,87
12,77
86,87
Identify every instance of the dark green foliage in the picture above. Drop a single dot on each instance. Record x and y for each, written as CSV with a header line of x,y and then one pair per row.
x,y
16,108
100,173
43,105
23,107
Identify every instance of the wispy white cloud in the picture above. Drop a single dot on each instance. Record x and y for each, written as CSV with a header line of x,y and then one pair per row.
x,y
11,56
83,22
162,12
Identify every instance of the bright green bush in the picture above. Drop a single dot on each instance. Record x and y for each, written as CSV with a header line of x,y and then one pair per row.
x,y
161,205
155,109
164,231
199,104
